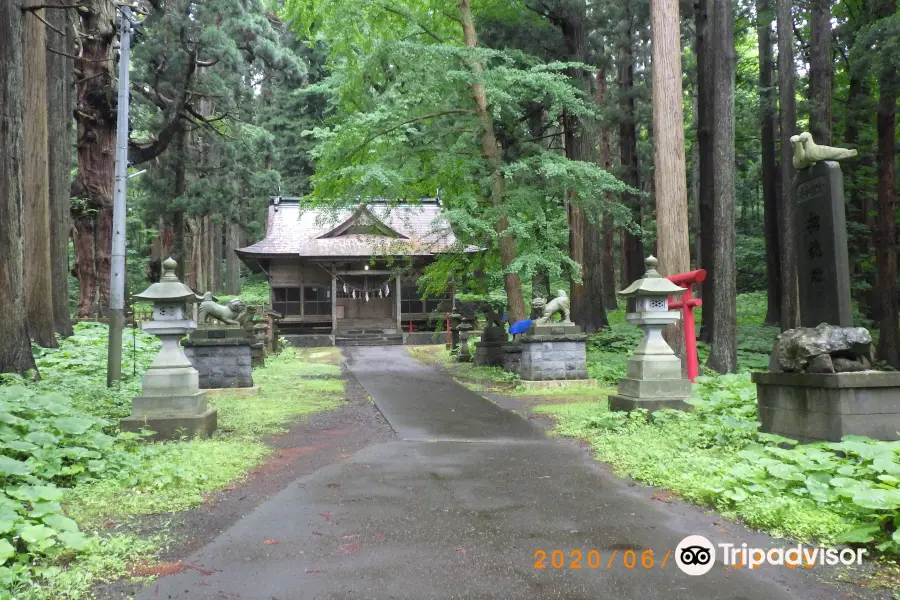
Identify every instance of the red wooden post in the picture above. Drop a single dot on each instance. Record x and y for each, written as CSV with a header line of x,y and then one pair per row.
x,y
687,304
410,327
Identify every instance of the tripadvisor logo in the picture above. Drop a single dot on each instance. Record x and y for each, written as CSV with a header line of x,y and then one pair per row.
x,y
696,555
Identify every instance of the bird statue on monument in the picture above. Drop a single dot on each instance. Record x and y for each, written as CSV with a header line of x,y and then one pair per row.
x,y
807,152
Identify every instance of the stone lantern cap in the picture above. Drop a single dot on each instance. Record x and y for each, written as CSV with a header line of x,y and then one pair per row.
x,y
651,284
169,289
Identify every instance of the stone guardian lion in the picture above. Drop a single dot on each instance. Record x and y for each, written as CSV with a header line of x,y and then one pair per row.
x,y
233,313
560,305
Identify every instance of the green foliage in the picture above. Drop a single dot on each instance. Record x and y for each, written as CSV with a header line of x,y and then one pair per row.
x,y
64,465
404,125
715,455
77,369
47,445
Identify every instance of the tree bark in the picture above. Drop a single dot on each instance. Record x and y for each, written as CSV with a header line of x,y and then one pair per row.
x,y
886,230
790,300
669,172
723,346
59,124
607,261
96,118
770,190
820,71
38,279
15,351
860,198
632,248
540,288
232,263
491,150
705,84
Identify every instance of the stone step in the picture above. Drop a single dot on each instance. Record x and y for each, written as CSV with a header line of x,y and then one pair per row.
x,y
386,341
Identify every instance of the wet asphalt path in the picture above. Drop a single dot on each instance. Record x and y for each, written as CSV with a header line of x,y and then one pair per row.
x,y
456,508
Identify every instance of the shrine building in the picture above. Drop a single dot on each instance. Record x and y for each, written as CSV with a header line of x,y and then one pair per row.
x,y
334,272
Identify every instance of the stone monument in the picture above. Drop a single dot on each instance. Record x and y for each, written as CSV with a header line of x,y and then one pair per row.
x,y
820,227
553,350
455,320
819,385
172,404
223,350
654,377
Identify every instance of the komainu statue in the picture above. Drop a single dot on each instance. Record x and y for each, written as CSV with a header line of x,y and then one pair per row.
x,y
233,313
560,305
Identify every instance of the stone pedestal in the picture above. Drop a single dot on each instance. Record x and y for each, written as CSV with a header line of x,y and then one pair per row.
x,y
224,356
489,351
172,403
553,352
226,363
653,378
512,357
812,407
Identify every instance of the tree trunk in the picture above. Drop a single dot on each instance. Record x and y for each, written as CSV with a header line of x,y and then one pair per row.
x,y
59,107
723,347
540,288
672,237
860,197
38,275
820,71
96,118
632,249
216,239
705,84
886,231
492,153
607,261
232,263
15,351
179,224
767,111
790,300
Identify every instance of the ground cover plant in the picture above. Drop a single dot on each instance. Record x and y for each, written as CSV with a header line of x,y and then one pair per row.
x,y
65,468
716,455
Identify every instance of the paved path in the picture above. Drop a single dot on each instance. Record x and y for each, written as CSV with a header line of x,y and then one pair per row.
x,y
456,508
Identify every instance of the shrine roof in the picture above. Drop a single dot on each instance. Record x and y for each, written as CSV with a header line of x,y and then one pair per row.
x,y
375,228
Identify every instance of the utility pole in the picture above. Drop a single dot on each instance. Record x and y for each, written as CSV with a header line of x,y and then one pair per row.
x,y
117,276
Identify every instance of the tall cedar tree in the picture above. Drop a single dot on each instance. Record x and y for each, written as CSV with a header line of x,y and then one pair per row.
x,y
705,159
632,246
886,225
768,111
38,280
723,346
821,66
15,351
790,300
672,238
59,124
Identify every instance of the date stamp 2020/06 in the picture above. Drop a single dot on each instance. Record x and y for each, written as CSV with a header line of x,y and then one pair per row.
x,y
593,559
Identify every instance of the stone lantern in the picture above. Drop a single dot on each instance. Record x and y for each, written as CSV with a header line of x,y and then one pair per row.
x,y
654,377
464,327
455,320
172,403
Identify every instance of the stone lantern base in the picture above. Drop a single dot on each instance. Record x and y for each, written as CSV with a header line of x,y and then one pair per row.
x,y
653,382
175,426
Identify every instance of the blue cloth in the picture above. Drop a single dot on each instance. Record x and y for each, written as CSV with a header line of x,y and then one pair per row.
x,y
520,326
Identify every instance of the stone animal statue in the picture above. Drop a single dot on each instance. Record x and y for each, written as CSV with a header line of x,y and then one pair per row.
x,y
492,318
560,305
807,152
233,313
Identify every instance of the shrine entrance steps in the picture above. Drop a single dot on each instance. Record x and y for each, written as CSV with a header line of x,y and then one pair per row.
x,y
367,337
